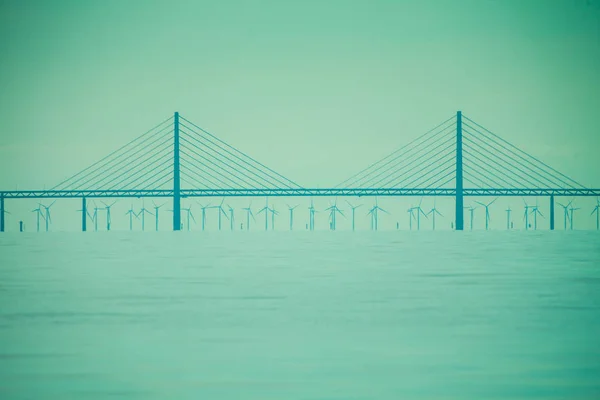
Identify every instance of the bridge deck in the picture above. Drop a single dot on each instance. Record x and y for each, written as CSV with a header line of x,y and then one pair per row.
x,y
327,192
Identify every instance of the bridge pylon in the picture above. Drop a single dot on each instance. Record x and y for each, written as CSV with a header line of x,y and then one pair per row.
x,y
459,223
176,176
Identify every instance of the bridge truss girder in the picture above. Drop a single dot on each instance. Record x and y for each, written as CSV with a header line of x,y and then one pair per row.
x,y
326,192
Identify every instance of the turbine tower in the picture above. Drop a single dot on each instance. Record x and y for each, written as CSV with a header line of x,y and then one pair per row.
x,y
95,217
131,215
248,214
333,210
526,215
230,216
597,211
143,212
266,210
536,211
471,215
273,213
108,220
566,212
156,208
48,218
353,209
311,215
291,215
419,212
204,208
487,211
189,214
572,209
433,212
220,212
411,216
374,214
39,213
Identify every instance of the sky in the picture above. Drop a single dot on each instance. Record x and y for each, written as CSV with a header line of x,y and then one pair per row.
x,y
316,90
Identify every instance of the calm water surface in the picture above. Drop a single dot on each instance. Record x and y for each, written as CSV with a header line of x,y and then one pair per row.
x,y
307,315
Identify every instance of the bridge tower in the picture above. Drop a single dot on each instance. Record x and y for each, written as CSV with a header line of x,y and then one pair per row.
x,y
176,178
459,174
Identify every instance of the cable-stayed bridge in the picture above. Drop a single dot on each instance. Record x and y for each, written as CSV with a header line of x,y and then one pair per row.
x,y
179,159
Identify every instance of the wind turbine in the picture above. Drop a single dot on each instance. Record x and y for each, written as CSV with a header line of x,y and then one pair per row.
x,y
108,220
566,212
311,215
535,211
203,208
220,211
434,211
230,216
333,210
248,214
374,214
571,210
353,208
291,215
597,211
266,210
411,216
189,214
95,217
471,215
131,215
419,211
487,211
526,214
508,211
143,212
273,213
156,208
39,213
48,218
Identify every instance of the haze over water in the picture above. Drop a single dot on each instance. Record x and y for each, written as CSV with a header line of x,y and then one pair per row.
x,y
302,315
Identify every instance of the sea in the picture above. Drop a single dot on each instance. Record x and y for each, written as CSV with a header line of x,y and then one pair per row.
x,y
300,315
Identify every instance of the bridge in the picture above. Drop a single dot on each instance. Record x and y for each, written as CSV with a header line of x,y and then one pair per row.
x,y
178,159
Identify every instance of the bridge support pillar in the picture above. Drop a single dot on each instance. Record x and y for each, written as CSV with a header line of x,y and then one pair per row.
x,y
83,215
459,175
552,212
2,213
176,178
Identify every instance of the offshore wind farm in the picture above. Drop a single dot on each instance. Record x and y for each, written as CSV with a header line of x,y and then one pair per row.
x,y
188,162
299,200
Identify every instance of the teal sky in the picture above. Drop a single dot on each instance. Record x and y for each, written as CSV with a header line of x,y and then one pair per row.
x,y
314,89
